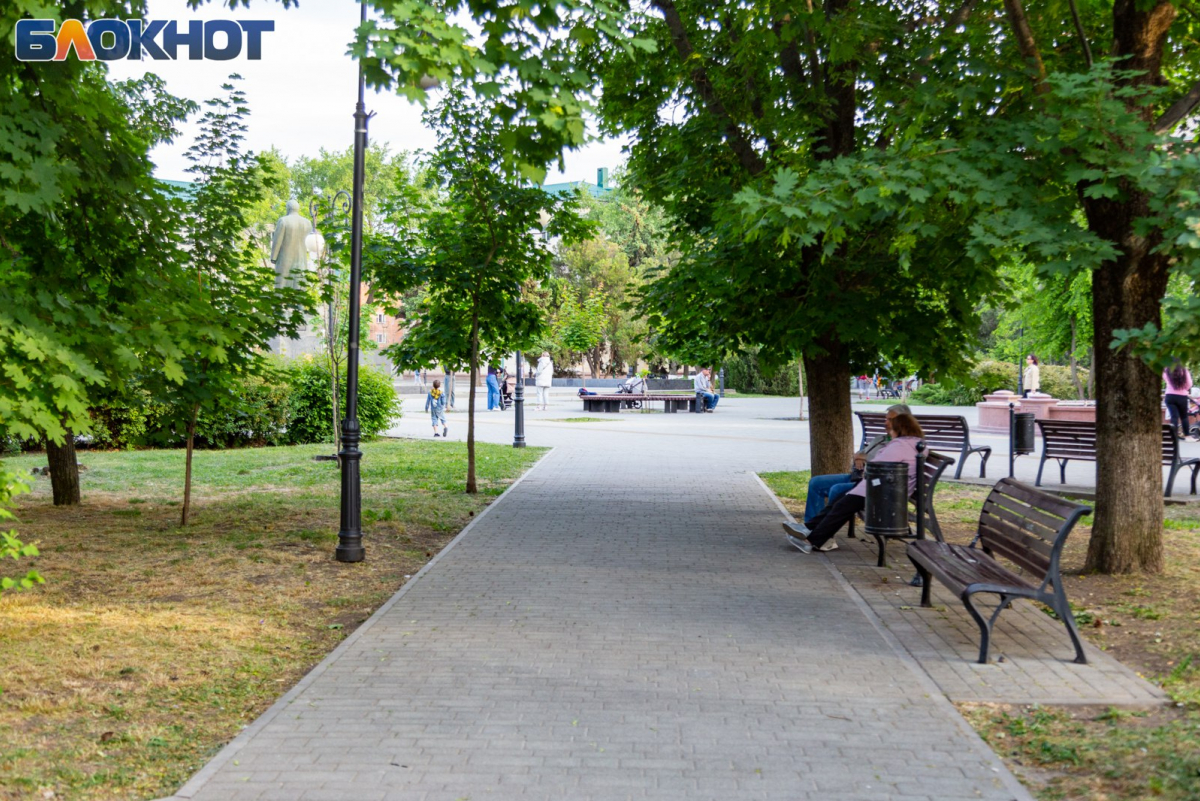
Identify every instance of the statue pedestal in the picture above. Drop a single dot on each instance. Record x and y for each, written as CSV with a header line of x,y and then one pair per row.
x,y
1039,404
1074,410
993,412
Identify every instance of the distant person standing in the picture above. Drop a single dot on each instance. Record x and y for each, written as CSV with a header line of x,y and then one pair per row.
x,y
543,380
1179,387
703,387
1032,377
493,386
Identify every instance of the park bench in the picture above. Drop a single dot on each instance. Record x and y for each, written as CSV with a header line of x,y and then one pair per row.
x,y
614,403
1064,440
931,466
944,431
1025,526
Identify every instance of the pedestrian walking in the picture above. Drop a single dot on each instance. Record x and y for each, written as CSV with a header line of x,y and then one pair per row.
x,y
1179,387
435,404
1032,377
543,380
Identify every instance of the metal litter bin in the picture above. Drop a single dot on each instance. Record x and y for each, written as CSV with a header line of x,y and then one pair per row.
x,y
887,498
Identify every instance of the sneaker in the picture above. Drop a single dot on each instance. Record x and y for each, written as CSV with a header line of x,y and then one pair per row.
x,y
436,435
830,545
799,529
799,543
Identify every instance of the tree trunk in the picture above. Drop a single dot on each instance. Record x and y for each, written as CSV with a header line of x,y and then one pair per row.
x,y
1127,293
471,487
187,472
1091,385
64,470
831,431
1074,364
800,379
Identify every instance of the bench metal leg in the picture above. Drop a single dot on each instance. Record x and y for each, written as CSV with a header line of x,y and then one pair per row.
x,y
881,541
985,629
850,529
1170,481
986,453
1063,609
1041,466
1194,469
926,585
962,460
1062,471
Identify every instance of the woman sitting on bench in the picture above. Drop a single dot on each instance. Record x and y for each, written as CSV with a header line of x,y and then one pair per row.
x,y
906,433
823,491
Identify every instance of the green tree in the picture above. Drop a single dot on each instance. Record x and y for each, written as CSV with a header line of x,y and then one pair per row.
x,y
234,308
598,270
88,255
579,328
472,252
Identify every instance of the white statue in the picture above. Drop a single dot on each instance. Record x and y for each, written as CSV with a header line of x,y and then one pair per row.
x,y
288,251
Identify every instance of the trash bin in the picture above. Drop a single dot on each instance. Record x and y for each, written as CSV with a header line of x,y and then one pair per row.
x,y
887,498
1023,432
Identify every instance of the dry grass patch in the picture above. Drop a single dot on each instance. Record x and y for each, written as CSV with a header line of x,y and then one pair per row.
x,y
150,646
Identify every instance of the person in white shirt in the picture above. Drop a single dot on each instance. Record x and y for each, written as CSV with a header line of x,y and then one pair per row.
x,y
703,387
543,378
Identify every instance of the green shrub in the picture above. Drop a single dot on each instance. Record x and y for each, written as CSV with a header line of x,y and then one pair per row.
x,y
743,373
310,412
254,413
1056,381
125,421
943,395
989,375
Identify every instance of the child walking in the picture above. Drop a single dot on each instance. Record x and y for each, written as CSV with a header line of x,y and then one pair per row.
x,y
435,404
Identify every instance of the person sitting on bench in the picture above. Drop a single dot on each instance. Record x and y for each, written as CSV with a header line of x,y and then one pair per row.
x,y
823,491
704,387
906,432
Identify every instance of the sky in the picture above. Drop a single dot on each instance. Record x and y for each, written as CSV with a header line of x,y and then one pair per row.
x,y
302,93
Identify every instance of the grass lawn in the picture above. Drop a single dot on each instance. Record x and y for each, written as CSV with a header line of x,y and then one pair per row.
x,y
150,646
1150,623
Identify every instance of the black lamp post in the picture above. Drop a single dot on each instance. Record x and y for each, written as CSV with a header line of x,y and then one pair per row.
x,y
350,547
519,406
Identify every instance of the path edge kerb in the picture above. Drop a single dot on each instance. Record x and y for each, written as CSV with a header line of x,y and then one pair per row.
x,y
982,749
201,777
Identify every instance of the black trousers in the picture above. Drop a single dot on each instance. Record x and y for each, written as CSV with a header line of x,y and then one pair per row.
x,y
1177,405
830,521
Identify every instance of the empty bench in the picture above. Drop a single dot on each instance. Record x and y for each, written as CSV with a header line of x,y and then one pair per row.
x,y
945,431
1064,440
1025,526
930,466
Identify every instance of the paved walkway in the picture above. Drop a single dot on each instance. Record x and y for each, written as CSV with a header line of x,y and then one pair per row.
x,y
626,622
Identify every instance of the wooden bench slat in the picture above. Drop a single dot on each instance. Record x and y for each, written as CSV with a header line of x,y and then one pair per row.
x,y
1001,523
1018,512
958,567
1000,542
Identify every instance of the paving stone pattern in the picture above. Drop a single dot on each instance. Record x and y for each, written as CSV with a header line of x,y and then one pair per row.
x,y
1031,654
627,622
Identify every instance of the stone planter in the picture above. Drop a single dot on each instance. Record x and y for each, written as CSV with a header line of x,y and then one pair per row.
x,y
993,412
1039,404
1074,410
